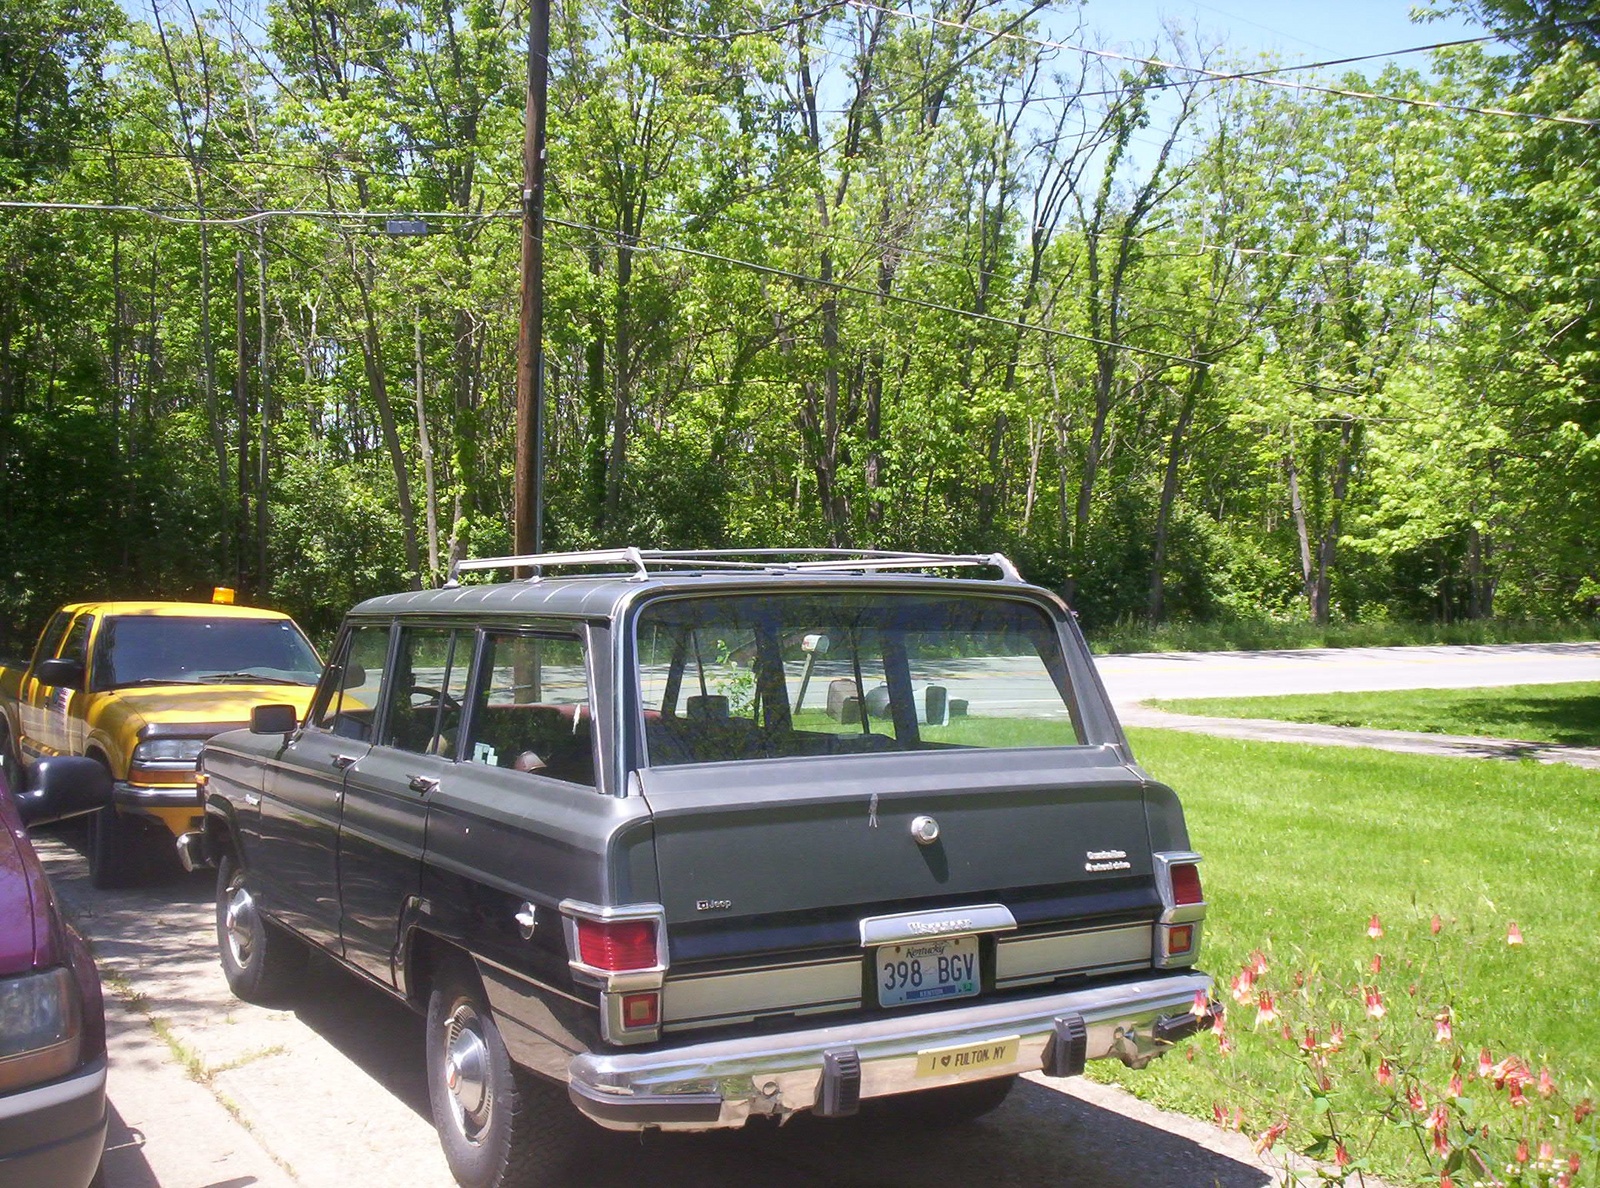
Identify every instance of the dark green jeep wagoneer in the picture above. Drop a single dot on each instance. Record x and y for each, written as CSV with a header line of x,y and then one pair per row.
x,y
675,839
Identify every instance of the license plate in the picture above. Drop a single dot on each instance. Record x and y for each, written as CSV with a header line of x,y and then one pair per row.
x,y
927,971
938,1062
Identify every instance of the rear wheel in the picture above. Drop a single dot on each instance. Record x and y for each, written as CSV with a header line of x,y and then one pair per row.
x,y
498,1125
259,959
952,1105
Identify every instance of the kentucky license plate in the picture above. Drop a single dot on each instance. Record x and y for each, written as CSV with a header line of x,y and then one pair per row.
x,y
927,971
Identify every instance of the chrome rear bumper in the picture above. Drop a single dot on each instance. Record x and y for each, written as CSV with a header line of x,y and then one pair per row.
x,y
701,1086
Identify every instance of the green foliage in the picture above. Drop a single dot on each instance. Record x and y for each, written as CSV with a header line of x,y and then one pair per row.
x,y
1233,358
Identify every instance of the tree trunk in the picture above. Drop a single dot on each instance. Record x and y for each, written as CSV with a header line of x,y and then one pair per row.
x,y
372,357
1169,492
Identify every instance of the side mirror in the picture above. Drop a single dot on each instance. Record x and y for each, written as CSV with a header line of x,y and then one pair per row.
x,y
273,719
60,673
63,786
353,677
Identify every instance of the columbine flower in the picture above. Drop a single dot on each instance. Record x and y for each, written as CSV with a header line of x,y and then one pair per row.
x,y
1375,1007
1271,1135
1445,1181
1441,1027
1547,1153
1335,1038
1258,963
1340,1155
1243,985
1201,1006
1435,924
1522,1151
1414,1100
1224,1044
1547,1085
1485,1066
1513,934
1266,1008
1439,1127
1385,1074
1582,1110
1374,927
1572,1163
1456,1088
1308,1042
1376,965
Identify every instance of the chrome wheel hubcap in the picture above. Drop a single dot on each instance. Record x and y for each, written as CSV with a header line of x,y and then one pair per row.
x,y
239,920
466,1072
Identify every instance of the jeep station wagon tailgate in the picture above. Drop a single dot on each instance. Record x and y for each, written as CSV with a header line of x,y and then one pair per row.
x,y
793,852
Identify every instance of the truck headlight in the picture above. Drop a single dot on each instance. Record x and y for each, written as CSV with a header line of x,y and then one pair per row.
x,y
43,1030
168,750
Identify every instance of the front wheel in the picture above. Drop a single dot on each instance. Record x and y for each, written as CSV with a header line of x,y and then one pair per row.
x,y
497,1124
259,959
114,852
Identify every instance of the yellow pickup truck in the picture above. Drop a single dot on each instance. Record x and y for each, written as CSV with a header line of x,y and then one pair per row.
x,y
140,686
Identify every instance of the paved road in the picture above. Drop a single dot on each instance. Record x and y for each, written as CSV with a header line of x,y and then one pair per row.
x,y
1131,679
329,1092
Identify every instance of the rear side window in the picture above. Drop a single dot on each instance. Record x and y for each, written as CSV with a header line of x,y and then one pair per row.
x,y
746,677
531,710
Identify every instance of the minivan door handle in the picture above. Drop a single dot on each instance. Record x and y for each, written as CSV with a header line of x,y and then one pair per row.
x,y
423,784
343,761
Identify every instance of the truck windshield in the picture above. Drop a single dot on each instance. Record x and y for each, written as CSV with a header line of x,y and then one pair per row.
x,y
170,649
749,677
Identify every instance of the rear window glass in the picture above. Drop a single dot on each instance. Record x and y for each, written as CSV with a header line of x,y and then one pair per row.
x,y
748,677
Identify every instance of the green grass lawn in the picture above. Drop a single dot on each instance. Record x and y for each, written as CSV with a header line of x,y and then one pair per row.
x,y
1568,714
1304,844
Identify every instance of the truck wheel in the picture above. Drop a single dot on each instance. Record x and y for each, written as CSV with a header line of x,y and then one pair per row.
x,y
113,850
259,959
498,1125
951,1105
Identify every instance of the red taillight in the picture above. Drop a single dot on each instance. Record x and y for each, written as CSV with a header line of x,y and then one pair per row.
x,y
1180,938
617,945
1186,884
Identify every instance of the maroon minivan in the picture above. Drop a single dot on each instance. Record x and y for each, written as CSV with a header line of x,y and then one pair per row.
x,y
52,1024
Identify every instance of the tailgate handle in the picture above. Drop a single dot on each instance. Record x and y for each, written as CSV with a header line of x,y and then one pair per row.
x,y
422,783
343,761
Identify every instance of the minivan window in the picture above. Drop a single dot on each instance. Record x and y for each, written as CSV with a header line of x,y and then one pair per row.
x,y
735,677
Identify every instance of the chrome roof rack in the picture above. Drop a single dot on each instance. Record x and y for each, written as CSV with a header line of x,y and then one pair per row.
x,y
644,562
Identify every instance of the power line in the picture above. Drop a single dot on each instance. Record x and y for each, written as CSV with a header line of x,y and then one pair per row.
x,y
1222,76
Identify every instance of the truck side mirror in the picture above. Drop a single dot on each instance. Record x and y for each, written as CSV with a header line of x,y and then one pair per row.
x,y
273,719
63,786
60,673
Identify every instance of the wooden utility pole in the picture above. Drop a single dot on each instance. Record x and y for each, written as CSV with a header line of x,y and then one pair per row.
x,y
528,496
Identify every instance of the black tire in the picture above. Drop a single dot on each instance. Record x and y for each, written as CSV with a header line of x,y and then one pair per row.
x,y
114,850
951,1105
10,763
259,959
498,1124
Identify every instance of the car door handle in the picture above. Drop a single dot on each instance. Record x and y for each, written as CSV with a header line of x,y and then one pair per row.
x,y
343,761
424,784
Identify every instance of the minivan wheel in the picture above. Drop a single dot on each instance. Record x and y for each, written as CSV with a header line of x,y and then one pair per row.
x,y
498,1125
259,959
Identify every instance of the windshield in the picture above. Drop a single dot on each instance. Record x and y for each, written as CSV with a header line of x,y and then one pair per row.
x,y
750,677
170,649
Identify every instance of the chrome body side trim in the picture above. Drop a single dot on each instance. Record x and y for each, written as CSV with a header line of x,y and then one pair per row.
x,y
1022,959
780,1074
713,999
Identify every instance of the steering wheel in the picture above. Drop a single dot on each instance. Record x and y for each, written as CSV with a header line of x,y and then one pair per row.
x,y
435,697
